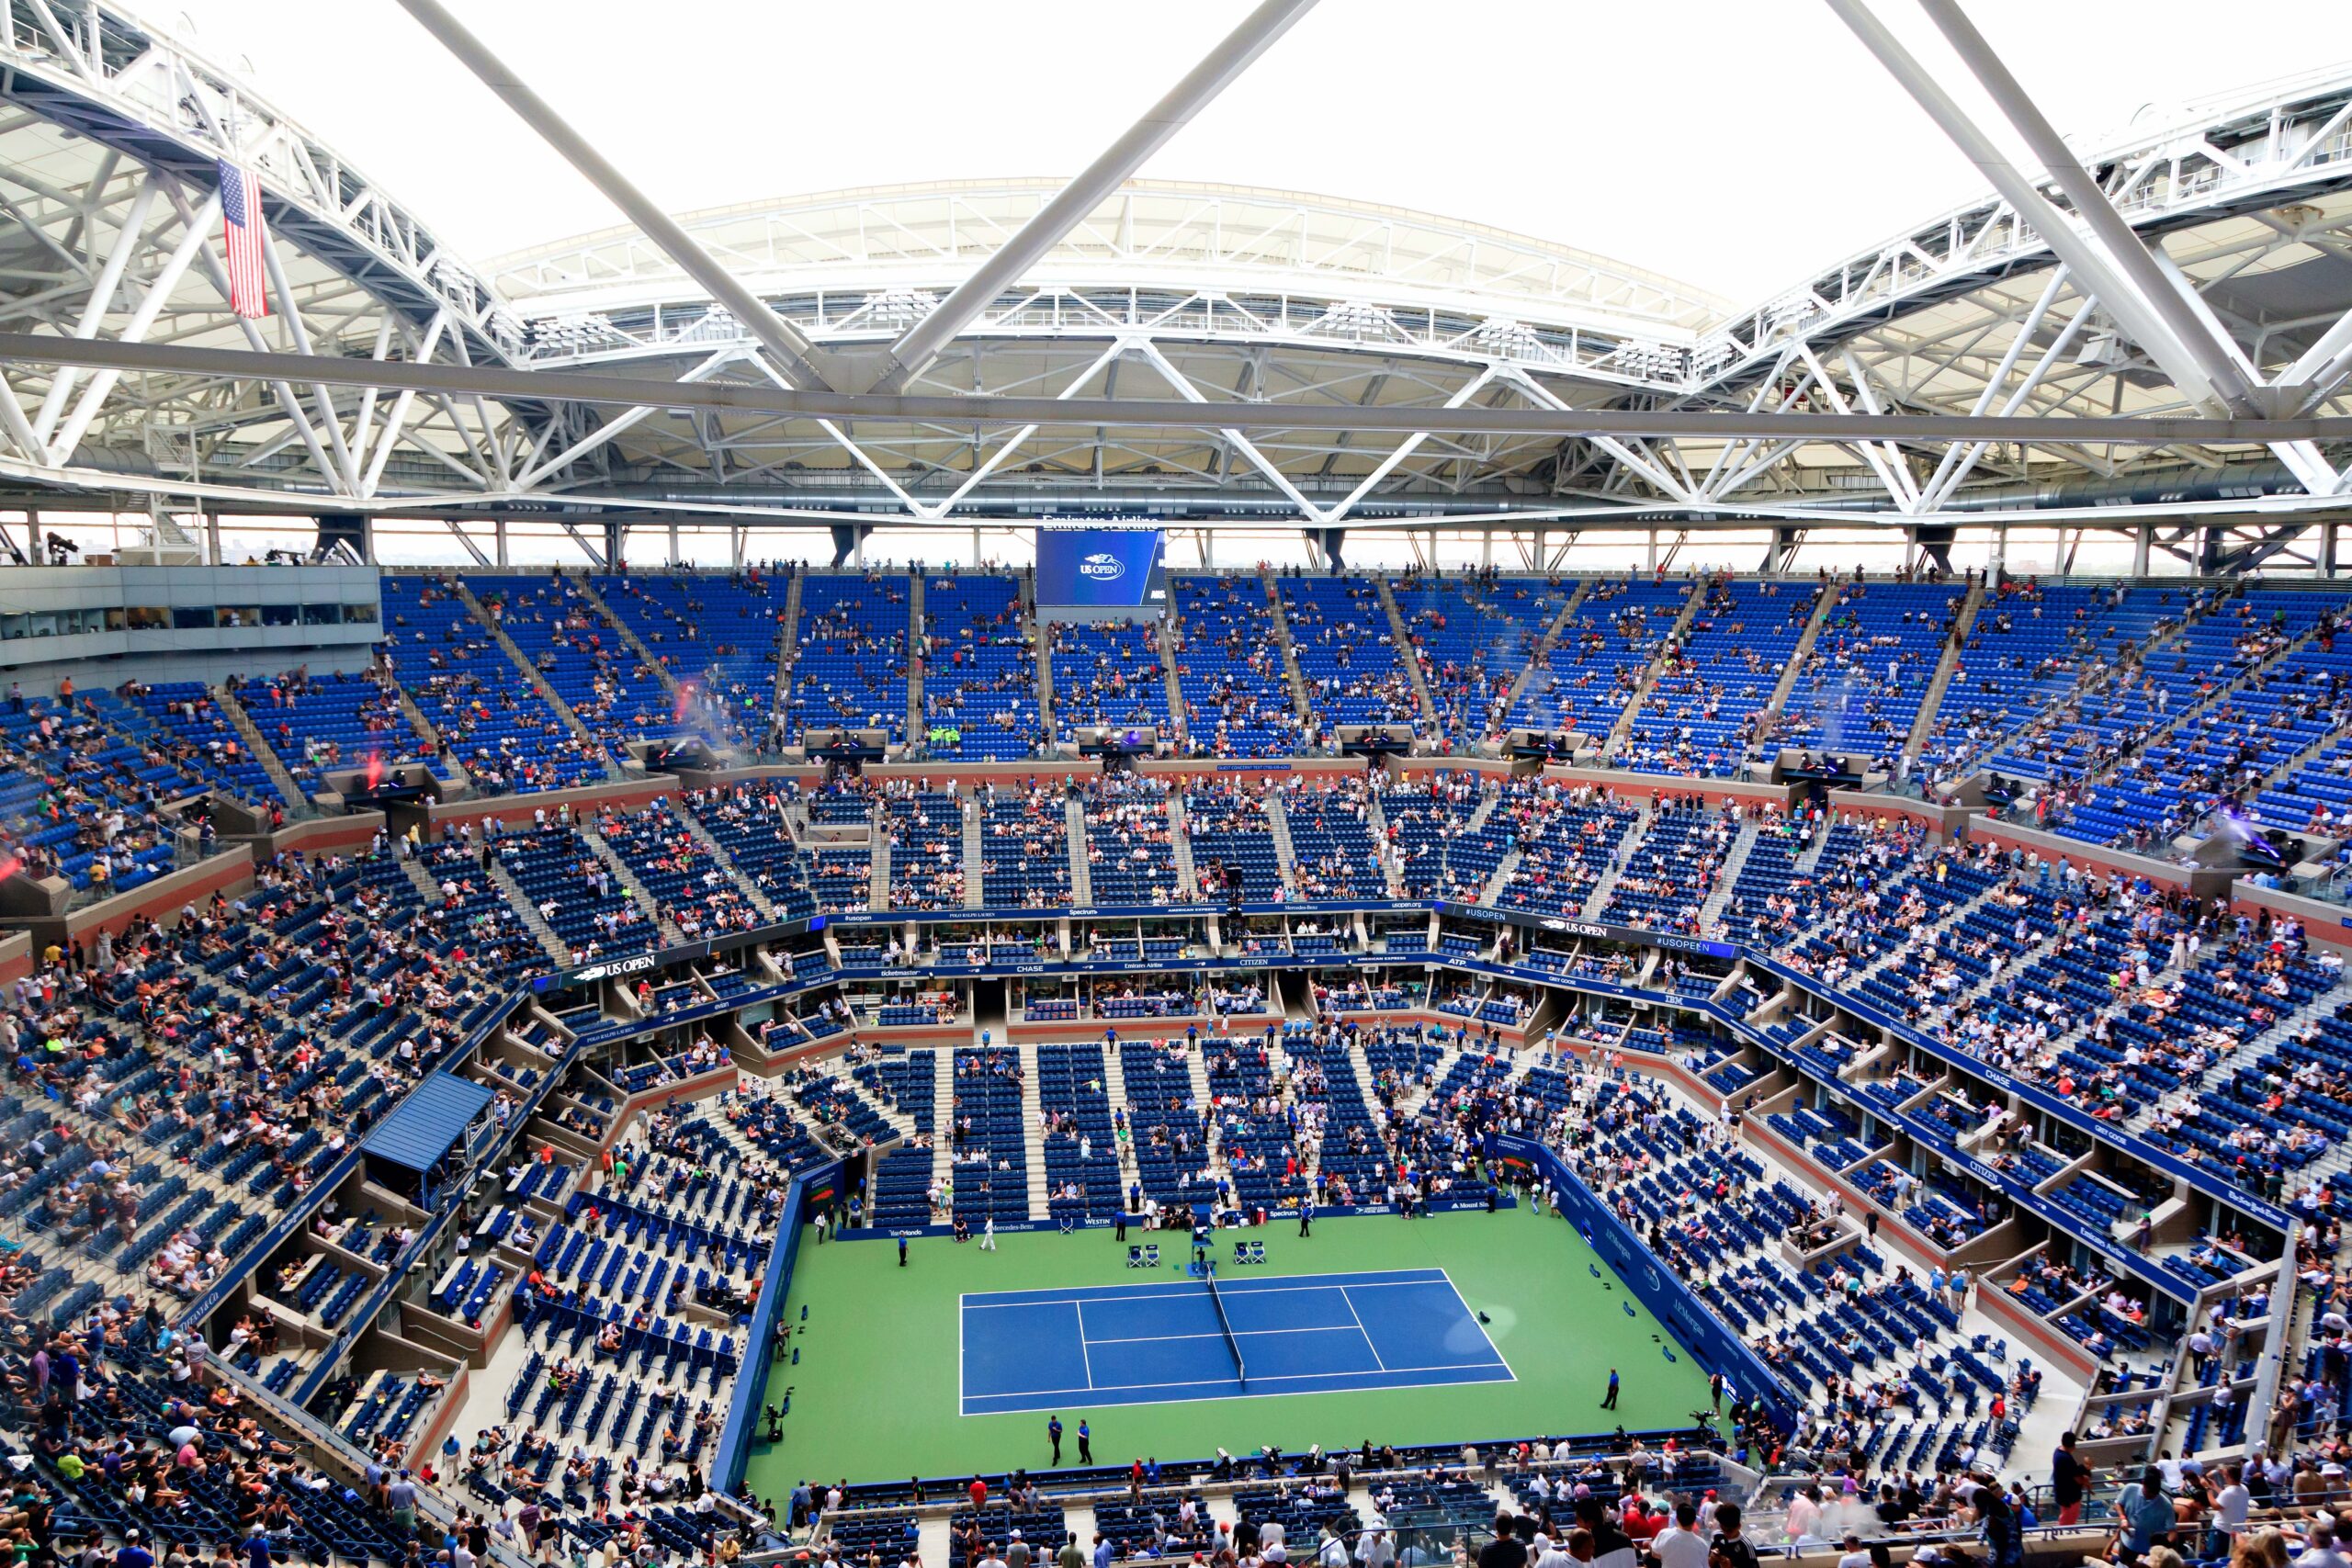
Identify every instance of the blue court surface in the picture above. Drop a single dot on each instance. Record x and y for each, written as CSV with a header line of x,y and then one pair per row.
x,y
1156,1343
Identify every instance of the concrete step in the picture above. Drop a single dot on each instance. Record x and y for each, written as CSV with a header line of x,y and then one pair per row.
x,y
622,630
787,644
1290,651
627,879
1082,873
1735,861
531,672
1407,654
1033,1143
711,846
1181,844
1624,727
976,855
552,943
1947,666
1278,826
243,723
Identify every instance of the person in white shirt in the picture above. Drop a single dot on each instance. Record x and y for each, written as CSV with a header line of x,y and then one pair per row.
x,y
1680,1545
1375,1549
1855,1557
2321,1553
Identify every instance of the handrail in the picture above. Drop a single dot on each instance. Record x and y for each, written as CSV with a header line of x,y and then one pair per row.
x,y
328,1442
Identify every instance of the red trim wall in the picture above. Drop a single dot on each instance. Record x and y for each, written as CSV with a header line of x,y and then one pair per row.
x,y
1985,830
229,871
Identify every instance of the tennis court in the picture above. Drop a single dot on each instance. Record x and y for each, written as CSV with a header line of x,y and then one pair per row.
x,y
1151,1344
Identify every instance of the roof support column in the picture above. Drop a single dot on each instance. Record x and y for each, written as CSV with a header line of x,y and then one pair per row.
x,y
2084,258
921,342
795,354
2162,293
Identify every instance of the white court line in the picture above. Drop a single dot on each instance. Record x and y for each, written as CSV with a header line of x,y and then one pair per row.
x,y
1237,1334
1083,1358
1242,1285
1283,1377
1259,1283
1366,1333
1473,1316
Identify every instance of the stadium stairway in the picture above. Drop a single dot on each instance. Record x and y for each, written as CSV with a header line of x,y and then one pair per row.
x,y
1181,844
1823,601
1166,632
1033,1141
553,944
444,762
974,856
585,586
726,863
1048,719
1290,649
259,748
1606,884
1196,1067
1694,595
917,726
548,694
1711,910
1081,876
1922,724
618,867
1505,868
1392,871
787,642
1541,658
1278,828
942,1119
878,895
1407,654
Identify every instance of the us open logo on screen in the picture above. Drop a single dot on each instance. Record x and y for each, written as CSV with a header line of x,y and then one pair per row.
x,y
1102,566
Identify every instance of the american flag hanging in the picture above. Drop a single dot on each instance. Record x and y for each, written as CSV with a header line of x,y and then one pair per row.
x,y
243,234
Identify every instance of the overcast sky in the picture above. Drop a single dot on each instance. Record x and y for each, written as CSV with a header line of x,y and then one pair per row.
x,y
1734,144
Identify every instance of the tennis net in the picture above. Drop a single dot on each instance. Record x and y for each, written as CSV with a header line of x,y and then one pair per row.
x,y
1241,1368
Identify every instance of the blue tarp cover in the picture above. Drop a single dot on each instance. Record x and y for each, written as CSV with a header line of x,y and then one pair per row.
x,y
422,1129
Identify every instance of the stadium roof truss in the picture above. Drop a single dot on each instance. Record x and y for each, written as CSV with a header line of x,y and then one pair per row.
x,y
1202,352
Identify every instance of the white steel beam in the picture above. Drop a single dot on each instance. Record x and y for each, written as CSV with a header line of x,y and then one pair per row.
x,y
921,341
1241,442
159,293
2158,291
1405,449
1013,442
2078,250
622,422
498,383
396,415
800,359
128,240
